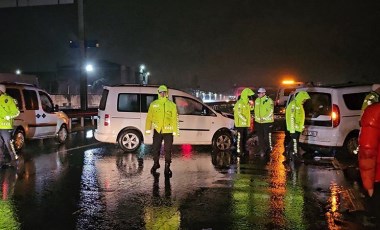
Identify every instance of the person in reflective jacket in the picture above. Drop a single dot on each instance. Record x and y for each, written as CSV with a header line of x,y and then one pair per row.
x,y
295,119
369,156
264,119
163,119
242,118
372,97
8,111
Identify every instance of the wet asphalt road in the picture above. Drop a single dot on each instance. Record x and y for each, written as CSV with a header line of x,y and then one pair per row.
x,y
85,184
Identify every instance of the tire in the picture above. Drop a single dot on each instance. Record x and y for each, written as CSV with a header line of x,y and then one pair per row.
x,y
222,141
129,140
62,134
350,145
18,140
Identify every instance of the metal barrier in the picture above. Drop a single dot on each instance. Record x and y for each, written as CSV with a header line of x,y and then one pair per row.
x,y
81,114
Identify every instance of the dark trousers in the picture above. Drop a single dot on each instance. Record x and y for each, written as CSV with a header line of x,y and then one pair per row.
x,y
168,144
242,139
5,143
292,146
263,132
373,203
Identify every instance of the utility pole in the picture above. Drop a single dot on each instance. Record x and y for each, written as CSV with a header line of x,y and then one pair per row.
x,y
82,71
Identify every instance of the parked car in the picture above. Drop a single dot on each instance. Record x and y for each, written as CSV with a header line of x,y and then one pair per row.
x,y
123,110
39,117
283,95
332,117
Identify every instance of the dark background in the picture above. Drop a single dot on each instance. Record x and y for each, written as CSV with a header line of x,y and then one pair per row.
x,y
212,44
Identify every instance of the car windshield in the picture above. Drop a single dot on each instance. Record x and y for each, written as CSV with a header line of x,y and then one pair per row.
x,y
319,104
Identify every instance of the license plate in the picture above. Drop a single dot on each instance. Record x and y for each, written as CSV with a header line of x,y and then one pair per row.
x,y
309,133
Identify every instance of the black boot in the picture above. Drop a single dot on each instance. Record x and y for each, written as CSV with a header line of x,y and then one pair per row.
x,y
168,172
155,166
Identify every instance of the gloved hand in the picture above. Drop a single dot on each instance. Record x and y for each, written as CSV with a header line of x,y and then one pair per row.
x,y
176,134
7,118
147,132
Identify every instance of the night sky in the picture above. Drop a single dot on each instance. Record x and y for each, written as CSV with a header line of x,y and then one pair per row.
x,y
220,43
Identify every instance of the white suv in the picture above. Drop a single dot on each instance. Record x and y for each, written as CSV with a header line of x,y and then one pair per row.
x,y
123,110
38,116
332,117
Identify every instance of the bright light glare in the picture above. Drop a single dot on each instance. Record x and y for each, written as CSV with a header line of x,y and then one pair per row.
x,y
89,68
18,72
288,82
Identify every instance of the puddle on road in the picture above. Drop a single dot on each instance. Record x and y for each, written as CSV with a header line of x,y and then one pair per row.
x,y
102,188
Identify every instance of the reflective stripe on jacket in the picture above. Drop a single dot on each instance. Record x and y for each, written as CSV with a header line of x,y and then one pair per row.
x,y
8,111
264,110
162,116
242,109
295,113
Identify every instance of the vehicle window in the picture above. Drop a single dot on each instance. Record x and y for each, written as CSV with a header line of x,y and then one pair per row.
x,y
354,101
146,99
15,93
319,104
128,102
46,102
31,101
103,100
188,106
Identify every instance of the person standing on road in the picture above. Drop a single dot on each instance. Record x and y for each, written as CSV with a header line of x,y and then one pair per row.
x,y
163,118
264,119
8,111
372,97
369,157
295,119
242,118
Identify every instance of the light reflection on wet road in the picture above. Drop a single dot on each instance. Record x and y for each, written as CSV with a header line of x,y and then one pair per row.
x,y
88,185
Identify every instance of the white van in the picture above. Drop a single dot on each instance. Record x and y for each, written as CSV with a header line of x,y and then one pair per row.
x,y
123,110
38,117
332,117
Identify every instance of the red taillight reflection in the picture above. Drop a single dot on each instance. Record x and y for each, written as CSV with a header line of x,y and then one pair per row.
x,y
106,119
335,115
186,151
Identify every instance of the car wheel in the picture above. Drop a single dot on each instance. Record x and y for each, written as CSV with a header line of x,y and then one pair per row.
x,y
222,141
129,140
62,134
351,145
18,139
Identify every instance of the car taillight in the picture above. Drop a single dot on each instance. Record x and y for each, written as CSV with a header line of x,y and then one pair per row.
x,y
335,115
106,119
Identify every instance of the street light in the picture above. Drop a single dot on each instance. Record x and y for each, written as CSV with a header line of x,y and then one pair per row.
x,y
143,75
18,71
89,68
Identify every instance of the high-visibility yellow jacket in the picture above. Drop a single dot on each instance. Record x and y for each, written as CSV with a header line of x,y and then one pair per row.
x,y
295,113
242,109
264,107
162,116
8,111
371,98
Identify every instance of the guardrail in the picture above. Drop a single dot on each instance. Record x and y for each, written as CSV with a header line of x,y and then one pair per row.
x,y
81,114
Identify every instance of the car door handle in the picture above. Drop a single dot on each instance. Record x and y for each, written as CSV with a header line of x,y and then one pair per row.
x,y
180,121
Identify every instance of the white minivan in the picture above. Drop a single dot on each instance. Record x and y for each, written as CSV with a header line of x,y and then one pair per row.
x,y
123,110
332,117
38,116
